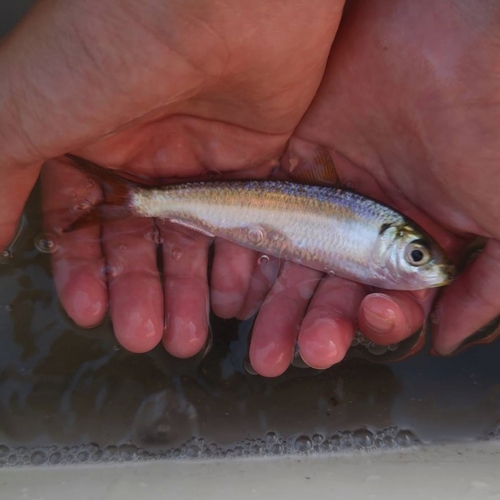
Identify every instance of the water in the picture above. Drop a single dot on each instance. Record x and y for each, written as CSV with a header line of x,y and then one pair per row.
x,y
73,395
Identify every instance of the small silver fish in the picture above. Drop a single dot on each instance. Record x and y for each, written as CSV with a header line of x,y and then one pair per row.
x,y
325,228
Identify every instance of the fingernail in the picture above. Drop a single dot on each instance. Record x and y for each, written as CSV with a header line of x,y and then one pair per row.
x,y
380,319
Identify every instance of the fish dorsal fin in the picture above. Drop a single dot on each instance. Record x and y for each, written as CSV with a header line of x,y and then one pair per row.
x,y
319,170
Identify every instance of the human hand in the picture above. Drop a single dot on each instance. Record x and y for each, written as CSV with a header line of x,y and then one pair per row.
x,y
160,90
408,110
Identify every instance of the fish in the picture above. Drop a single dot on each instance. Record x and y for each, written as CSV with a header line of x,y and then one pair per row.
x,y
333,230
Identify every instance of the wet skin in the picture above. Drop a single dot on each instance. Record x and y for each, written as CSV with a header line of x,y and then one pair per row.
x,y
211,95
430,146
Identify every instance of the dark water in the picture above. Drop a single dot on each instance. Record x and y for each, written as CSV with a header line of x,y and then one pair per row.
x,y
73,395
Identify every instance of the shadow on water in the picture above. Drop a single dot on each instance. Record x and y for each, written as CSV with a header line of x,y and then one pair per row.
x,y
72,395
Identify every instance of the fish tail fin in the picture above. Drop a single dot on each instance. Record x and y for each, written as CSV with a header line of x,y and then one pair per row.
x,y
117,195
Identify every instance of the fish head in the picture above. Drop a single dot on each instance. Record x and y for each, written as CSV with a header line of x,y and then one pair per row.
x,y
412,259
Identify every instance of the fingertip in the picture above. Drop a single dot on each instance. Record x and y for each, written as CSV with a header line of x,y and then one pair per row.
x,y
84,297
183,338
383,319
270,361
226,304
325,342
140,335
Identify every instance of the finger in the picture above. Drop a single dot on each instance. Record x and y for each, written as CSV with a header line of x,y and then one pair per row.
x,y
77,260
16,183
232,269
277,324
135,291
185,264
329,325
262,279
469,303
392,316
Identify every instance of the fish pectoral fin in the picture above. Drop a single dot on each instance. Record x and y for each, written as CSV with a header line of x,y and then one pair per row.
x,y
191,225
319,170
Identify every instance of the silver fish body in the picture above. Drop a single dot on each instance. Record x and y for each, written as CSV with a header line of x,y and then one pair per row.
x,y
329,229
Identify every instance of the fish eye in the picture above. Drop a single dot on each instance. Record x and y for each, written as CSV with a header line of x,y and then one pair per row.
x,y
417,253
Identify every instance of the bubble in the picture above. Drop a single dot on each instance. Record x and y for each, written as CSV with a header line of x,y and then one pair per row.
x,y
389,441
331,273
318,438
8,307
155,236
55,458
4,451
97,456
303,443
277,449
255,235
256,449
83,206
5,256
326,446
363,438
405,438
270,438
83,456
335,440
12,459
435,316
377,349
110,452
38,458
128,452
46,243
248,367
263,260
211,452
176,253
193,451
112,271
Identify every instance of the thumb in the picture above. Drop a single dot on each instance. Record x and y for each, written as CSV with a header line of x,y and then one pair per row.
x,y
466,311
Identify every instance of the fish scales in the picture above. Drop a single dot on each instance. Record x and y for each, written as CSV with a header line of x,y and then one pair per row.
x,y
321,225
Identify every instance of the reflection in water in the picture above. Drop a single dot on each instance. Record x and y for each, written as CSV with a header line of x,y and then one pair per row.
x,y
72,395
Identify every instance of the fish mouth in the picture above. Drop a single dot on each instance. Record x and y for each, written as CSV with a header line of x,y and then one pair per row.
x,y
450,273
444,275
